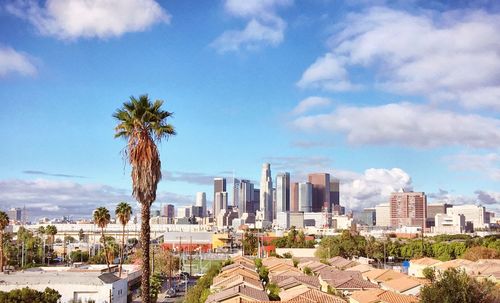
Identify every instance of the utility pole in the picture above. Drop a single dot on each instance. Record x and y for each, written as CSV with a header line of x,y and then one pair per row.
x,y
190,255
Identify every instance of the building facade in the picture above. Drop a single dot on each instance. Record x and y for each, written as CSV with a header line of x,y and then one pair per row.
x,y
283,192
408,209
320,191
201,201
383,215
266,192
219,187
473,213
305,197
334,192
294,197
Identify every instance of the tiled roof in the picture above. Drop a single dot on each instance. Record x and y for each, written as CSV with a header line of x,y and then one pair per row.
x,y
453,264
352,283
315,296
335,274
341,262
250,293
284,275
299,280
379,295
403,284
235,265
279,267
382,275
425,261
271,261
361,268
236,280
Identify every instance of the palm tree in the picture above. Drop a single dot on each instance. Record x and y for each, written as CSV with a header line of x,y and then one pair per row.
x,y
144,124
41,234
123,212
101,219
4,222
51,230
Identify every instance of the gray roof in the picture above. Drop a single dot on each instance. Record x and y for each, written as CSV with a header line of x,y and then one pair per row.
x,y
250,292
57,277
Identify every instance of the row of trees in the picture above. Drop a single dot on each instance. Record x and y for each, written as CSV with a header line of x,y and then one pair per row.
x,y
28,295
443,248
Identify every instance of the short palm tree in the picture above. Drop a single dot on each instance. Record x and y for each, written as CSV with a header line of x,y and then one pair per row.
x,y
144,124
4,222
123,212
101,219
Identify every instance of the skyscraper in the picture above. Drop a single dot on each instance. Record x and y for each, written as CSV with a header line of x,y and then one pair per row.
x,y
321,191
245,195
305,196
294,197
236,192
408,209
266,192
201,201
334,192
220,202
219,187
283,192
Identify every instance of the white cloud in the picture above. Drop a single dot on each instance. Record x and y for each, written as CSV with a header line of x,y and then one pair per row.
x,y
71,19
488,164
443,56
51,198
405,124
264,26
310,103
12,61
372,187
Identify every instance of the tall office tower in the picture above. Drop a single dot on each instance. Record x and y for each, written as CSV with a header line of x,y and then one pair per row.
x,y
254,205
334,192
383,214
15,214
408,209
236,192
201,201
283,192
169,212
245,195
220,202
321,191
274,203
219,187
294,197
266,192
305,196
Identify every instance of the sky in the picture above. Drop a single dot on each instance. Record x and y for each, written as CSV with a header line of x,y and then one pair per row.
x,y
381,94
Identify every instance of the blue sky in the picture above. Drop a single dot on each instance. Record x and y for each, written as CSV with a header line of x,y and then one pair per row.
x,y
382,94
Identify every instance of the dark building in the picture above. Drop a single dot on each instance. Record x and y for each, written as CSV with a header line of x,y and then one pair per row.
x,y
320,191
294,197
334,192
219,187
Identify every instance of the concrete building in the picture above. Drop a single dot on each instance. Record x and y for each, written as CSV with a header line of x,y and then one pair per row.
x,y
320,191
383,215
169,213
201,201
220,202
305,197
73,284
473,214
297,219
236,192
408,209
245,195
449,224
15,214
219,187
342,222
334,192
283,192
266,192
283,220
367,216
433,210
318,220
294,197
183,212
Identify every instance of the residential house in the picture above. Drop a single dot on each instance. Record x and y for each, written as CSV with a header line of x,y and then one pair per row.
x,y
310,295
404,285
238,293
418,265
380,296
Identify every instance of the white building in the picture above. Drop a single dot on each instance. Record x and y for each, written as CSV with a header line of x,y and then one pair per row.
x,y
473,213
183,212
266,192
383,214
73,284
201,201
305,197
283,220
342,222
449,224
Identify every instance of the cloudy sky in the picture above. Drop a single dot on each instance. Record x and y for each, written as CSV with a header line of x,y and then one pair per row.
x,y
382,94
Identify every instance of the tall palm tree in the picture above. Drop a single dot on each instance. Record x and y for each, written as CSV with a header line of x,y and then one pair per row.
x,y
41,234
101,219
144,124
51,231
4,222
123,212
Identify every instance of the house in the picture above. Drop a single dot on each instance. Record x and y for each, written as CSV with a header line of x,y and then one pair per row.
x,y
279,267
275,277
418,265
238,265
240,293
404,285
72,285
310,295
456,263
314,266
271,261
341,263
378,276
235,281
295,282
344,281
485,269
242,271
362,268
380,296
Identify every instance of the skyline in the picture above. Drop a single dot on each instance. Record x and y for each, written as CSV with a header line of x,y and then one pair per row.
x,y
386,96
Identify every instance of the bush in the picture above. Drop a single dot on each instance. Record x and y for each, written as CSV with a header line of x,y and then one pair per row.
x,y
28,295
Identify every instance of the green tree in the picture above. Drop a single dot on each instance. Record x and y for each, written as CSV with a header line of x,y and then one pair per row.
x,y
273,292
4,221
250,243
81,235
144,124
456,286
123,212
308,271
102,218
28,295
479,252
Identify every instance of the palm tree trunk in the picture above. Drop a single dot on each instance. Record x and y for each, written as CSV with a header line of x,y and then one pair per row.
x,y
105,249
145,235
122,250
1,251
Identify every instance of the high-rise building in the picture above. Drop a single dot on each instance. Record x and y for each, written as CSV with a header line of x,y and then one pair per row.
x,y
220,202
201,201
368,216
383,215
236,192
219,187
15,214
294,197
473,213
245,195
408,209
320,191
266,192
283,192
305,197
169,212
334,192
183,212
